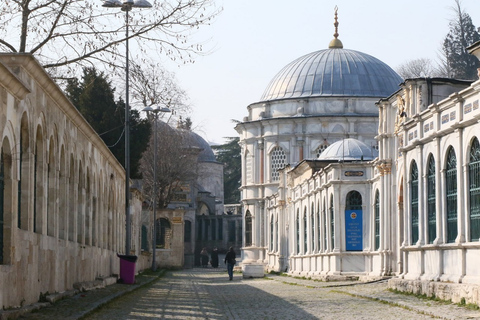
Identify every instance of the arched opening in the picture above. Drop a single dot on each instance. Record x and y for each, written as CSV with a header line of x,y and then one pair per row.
x,y
474,190
51,189
305,231
353,222
164,234
414,202
39,185
62,197
451,195
332,224
6,205
271,233
297,231
431,201
24,179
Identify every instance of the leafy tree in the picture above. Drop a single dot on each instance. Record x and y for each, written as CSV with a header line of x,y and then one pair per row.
x,y
93,96
230,155
82,32
185,124
176,163
457,62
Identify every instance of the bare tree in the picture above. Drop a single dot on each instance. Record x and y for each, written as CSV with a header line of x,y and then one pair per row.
x,y
176,163
418,68
82,32
152,85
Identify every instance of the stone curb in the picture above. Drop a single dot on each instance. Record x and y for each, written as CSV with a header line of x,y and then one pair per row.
x,y
107,299
141,280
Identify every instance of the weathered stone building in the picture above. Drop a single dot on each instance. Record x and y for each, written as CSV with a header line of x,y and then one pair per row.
x,y
62,215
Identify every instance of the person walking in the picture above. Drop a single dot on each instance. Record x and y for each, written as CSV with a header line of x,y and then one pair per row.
x,y
230,261
214,261
204,257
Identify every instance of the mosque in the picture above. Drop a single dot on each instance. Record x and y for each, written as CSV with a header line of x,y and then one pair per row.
x,y
349,170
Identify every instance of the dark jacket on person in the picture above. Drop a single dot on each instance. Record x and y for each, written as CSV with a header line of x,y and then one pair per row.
x,y
230,257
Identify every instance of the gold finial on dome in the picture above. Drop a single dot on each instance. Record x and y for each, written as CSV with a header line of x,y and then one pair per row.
x,y
335,43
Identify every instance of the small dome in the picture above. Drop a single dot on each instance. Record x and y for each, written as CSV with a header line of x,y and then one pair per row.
x,y
348,150
206,154
333,72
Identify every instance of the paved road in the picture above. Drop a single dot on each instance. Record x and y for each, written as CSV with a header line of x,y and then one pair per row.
x,y
207,294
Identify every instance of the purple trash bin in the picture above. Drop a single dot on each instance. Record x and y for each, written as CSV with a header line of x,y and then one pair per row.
x,y
127,268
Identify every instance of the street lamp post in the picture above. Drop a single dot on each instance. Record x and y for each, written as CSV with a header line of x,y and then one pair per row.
x,y
126,6
155,112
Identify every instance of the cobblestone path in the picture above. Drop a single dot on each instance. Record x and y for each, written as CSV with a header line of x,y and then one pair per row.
x,y
207,294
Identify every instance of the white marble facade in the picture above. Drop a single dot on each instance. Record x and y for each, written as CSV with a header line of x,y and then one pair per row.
x,y
420,197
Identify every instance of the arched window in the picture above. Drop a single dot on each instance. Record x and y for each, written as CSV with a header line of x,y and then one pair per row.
x,y
248,229
332,223
474,190
312,227
451,194
276,233
431,201
164,234
377,220
414,201
319,228
6,205
271,233
297,230
325,225
305,232
277,162
353,201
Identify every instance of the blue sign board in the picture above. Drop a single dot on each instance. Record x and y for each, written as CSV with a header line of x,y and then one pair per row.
x,y
353,230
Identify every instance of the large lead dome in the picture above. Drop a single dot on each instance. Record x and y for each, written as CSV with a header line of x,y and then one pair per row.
x,y
333,72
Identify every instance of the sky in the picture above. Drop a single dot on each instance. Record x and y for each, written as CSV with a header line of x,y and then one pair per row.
x,y
252,40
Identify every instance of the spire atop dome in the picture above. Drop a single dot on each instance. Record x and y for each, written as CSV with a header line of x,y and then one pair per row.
x,y
335,43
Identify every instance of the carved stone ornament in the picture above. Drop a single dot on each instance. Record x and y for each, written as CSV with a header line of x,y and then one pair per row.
x,y
400,117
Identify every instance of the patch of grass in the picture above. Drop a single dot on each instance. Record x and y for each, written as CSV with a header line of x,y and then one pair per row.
x,y
420,296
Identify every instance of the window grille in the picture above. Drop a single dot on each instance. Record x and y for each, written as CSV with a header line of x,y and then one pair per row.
x,y
321,148
319,228
474,190
305,232
451,194
377,220
312,226
431,201
278,159
414,201
271,233
297,229
276,234
354,201
332,223
248,229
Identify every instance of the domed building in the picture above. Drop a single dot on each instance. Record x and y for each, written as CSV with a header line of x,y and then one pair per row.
x,y
318,99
